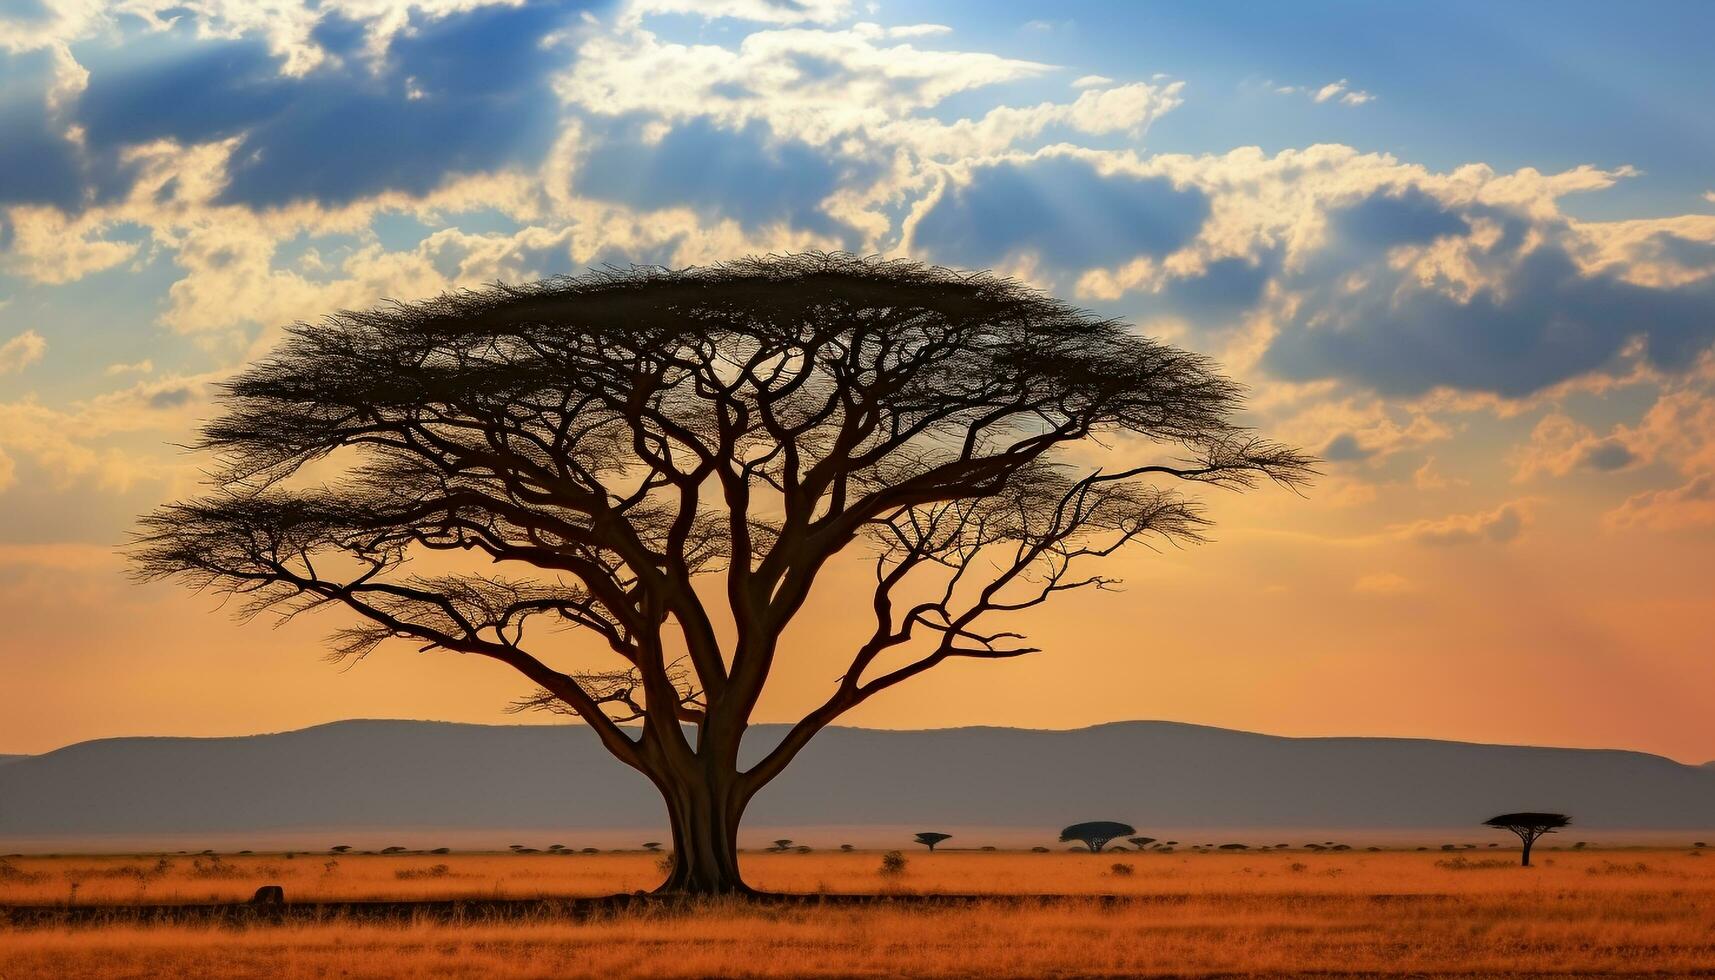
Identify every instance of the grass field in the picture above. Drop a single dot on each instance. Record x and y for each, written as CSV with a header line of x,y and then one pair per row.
x,y
1604,912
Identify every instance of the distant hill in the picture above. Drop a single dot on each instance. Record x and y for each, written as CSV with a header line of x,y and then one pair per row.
x,y
403,774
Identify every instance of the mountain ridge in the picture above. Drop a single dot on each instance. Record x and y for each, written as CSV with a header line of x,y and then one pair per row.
x,y
379,773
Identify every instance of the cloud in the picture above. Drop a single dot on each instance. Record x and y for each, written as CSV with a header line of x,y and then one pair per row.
x,y
760,11
461,93
1342,92
49,247
39,164
21,351
1344,448
1429,477
1560,445
816,86
746,175
1503,317
1091,81
1498,526
1383,584
1060,209
1692,504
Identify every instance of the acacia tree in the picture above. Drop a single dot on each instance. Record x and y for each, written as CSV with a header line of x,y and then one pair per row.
x,y
1095,834
930,838
1528,827
668,459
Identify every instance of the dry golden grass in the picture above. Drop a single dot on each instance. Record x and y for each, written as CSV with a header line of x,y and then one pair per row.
x,y
1353,913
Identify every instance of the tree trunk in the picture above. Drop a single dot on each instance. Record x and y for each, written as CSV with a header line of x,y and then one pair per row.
x,y
1527,842
704,812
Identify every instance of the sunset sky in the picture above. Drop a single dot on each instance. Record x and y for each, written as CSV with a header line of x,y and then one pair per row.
x,y
1463,251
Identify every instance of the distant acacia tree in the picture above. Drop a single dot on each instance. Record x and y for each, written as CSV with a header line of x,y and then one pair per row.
x,y
1096,833
929,839
1529,826
1140,842
668,460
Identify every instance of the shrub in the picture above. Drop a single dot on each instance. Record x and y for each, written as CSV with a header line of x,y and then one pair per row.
x,y
1120,869
893,864
1039,850
411,874
847,848
1610,868
442,850
12,875
1463,863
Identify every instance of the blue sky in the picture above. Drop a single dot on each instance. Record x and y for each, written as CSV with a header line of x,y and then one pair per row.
x,y
1464,250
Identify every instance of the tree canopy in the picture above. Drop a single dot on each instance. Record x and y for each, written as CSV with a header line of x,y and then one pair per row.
x,y
1095,834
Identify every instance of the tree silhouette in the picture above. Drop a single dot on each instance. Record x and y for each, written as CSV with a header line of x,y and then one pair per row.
x,y
1140,842
495,466
1096,833
929,839
1529,826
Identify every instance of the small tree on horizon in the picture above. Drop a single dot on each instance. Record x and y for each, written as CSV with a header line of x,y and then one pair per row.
x,y
668,460
1529,826
1095,834
929,839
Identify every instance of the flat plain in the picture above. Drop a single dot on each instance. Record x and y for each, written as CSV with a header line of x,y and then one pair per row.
x,y
1467,913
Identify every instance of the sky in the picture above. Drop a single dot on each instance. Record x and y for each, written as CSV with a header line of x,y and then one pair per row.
x,y
1463,251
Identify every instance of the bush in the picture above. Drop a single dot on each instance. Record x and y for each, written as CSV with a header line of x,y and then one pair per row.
x,y
893,864
411,874
1039,850
1120,869
1610,868
1462,863
847,848
12,875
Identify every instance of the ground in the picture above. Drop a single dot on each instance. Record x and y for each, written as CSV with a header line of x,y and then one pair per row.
x,y
1469,913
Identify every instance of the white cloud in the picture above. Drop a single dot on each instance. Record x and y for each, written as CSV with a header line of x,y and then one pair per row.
x,y
760,11
1092,81
50,247
1340,91
21,351
812,85
918,30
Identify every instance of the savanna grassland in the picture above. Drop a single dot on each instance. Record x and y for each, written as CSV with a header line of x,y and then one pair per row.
x,y
1353,913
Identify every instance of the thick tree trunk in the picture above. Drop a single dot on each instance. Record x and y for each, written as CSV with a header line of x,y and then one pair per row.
x,y
704,811
1527,842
